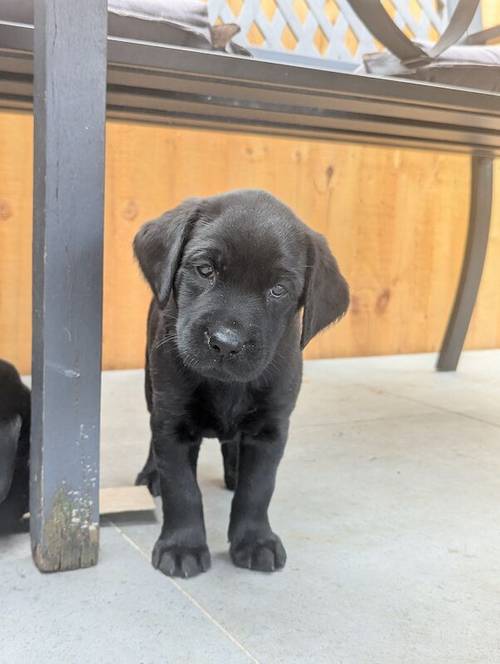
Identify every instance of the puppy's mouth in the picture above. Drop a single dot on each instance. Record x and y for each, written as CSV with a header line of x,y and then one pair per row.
x,y
223,368
242,368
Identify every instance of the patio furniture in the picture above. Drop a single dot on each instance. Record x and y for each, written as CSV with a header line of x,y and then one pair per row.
x,y
159,83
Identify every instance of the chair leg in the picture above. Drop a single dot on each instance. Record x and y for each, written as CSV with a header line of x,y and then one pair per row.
x,y
473,263
69,109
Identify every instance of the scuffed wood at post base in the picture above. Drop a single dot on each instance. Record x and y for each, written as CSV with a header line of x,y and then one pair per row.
x,y
70,537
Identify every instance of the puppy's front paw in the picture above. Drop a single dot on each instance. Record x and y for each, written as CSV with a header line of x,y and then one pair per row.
x,y
180,561
264,554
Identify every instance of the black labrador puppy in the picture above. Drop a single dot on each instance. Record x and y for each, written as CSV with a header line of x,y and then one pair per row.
x,y
230,275
14,448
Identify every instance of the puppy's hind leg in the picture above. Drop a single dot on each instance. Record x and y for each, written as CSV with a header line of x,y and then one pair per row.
x,y
149,474
231,455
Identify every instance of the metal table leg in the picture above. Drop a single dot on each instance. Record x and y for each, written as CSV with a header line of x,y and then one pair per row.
x,y
69,108
473,263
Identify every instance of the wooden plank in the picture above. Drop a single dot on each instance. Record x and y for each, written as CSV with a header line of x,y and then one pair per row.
x,y
396,219
490,10
16,209
116,500
389,216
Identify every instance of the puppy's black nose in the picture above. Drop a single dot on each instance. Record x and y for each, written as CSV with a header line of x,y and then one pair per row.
x,y
225,341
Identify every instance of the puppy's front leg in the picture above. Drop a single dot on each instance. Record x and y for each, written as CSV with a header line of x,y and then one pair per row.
x,y
181,549
253,543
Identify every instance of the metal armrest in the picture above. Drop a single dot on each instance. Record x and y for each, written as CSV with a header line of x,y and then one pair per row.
x,y
483,36
380,24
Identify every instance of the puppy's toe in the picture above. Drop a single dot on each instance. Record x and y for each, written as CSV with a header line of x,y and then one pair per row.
x,y
263,559
204,558
180,561
262,554
188,565
241,556
164,559
279,554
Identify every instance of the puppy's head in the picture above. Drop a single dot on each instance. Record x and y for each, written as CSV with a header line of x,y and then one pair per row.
x,y
239,267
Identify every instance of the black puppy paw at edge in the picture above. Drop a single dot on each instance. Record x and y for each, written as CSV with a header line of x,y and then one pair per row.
x,y
261,554
180,561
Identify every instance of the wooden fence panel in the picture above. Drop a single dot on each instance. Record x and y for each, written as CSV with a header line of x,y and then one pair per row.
x,y
396,219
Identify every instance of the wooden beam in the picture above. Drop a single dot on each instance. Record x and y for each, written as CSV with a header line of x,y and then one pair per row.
x,y
69,108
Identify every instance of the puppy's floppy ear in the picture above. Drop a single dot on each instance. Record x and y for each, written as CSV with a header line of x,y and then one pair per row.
x,y
9,438
326,293
159,244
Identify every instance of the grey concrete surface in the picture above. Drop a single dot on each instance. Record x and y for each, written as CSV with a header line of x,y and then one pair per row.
x,y
388,502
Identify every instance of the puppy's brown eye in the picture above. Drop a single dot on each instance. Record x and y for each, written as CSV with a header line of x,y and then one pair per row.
x,y
206,271
278,290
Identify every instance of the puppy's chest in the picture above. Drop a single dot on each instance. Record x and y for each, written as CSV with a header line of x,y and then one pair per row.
x,y
225,411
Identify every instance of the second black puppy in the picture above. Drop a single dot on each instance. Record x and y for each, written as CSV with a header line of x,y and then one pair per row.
x,y
230,275
15,411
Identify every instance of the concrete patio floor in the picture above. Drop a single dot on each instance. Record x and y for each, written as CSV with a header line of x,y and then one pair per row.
x,y
388,502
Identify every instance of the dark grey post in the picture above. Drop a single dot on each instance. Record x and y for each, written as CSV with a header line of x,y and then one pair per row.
x,y
473,263
69,108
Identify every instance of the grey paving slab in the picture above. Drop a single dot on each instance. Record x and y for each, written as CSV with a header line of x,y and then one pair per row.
x,y
392,534
115,613
388,501
473,390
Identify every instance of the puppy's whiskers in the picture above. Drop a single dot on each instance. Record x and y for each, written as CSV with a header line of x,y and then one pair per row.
x,y
189,361
165,340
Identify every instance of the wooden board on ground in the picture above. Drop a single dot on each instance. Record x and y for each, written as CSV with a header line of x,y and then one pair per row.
x,y
115,500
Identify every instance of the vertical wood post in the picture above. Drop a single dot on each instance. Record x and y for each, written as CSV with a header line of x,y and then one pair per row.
x,y
69,109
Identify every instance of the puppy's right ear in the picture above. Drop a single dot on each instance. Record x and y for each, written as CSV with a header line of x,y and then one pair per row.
x,y
9,438
159,245
326,293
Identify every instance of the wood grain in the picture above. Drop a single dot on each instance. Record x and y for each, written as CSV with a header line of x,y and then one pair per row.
x,y
121,499
16,211
396,220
